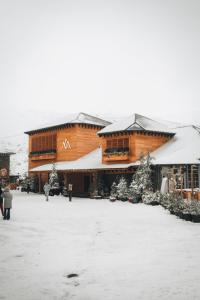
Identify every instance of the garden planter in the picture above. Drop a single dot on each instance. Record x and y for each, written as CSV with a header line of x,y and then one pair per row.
x,y
133,200
124,199
112,199
196,218
187,217
180,215
154,203
97,197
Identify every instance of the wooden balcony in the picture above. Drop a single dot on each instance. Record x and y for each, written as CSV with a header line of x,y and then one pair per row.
x,y
120,156
42,155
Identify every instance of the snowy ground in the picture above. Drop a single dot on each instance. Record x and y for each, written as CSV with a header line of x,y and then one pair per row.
x,y
119,250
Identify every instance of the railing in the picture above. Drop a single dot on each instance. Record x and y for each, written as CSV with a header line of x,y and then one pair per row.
x,y
116,154
49,151
46,154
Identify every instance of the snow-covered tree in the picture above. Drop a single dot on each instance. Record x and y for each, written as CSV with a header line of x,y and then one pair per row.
x,y
141,181
113,192
53,177
122,189
194,207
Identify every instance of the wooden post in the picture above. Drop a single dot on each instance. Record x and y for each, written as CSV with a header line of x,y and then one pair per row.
x,y
199,176
187,177
181,178
39,177
192,180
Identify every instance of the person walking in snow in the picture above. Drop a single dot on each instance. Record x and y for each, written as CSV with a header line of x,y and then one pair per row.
x,y
28,188
70,191
7,196
1,201
47,188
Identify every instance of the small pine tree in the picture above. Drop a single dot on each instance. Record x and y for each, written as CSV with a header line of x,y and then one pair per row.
x,y
133,190
141,181
122,189
113,192
53,177
194,207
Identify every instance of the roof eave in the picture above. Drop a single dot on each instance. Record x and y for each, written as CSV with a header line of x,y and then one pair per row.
x,y
138,130
60,126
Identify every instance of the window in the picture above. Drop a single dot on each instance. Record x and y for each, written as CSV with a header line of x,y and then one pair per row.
x,y
117,145
44,144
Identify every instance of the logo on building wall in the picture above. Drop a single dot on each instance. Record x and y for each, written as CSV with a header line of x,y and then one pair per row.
x,y
66,144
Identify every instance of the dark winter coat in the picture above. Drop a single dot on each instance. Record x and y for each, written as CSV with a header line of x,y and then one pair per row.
x,y
1,196
7,198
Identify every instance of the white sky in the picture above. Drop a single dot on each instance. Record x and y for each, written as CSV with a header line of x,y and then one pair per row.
x,y
117,57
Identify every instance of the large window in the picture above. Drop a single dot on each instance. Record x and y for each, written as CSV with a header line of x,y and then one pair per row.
x,y
43,144
120,145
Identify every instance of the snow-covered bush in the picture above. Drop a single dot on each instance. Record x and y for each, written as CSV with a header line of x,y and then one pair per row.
x,y
151,198
195,211
113,192
194,207
122,189
167,201
186,209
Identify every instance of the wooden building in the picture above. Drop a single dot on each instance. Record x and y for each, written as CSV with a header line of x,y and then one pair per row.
x,y
88,151
5,166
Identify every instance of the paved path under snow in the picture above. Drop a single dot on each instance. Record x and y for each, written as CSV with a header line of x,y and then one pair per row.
x,y
119,250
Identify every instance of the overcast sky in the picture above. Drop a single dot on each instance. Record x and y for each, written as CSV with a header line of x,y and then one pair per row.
x,y
117,57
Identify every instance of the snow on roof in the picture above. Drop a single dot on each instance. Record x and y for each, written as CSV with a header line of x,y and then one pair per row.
x,y
81,118
6,148
137,122
183,148
91,161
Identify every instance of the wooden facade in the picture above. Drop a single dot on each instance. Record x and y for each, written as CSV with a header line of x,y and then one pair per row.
x,y
129,146
71,141
62,144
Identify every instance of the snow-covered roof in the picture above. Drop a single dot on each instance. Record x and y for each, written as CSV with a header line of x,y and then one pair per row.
x,y
5,148
91,161
137,122
81,118
183,148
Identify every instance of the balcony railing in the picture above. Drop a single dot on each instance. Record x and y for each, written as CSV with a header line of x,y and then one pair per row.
x,y
45,154
116,154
